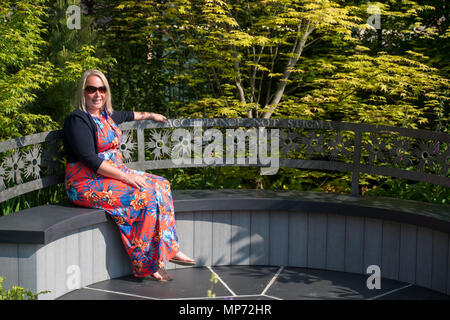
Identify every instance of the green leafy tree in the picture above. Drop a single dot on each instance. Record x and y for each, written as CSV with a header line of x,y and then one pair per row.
x,y
250,51
71,51
22,71
380,89
41,60
303,59
384,78
310,59
139,79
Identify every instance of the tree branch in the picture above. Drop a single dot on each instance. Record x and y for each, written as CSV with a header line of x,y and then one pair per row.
x,y
272,65
238,79
255,69
298,49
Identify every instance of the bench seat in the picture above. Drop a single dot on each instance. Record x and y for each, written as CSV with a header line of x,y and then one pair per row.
x,y
62,247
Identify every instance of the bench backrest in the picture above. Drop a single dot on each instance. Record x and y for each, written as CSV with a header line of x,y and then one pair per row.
x,y
37,161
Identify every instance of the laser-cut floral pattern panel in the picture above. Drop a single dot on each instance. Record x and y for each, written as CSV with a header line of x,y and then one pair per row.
x,y
36,161
30,163
308,143
421,154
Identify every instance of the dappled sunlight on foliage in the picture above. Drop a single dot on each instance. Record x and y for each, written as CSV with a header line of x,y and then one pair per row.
x,y
372,62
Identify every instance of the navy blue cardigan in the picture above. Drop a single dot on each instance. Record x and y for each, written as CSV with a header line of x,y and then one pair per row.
x,y
80,137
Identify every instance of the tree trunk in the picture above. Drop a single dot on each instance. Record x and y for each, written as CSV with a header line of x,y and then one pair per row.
x,y
298,49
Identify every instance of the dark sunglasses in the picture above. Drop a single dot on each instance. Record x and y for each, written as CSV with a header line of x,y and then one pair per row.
x,y
92,89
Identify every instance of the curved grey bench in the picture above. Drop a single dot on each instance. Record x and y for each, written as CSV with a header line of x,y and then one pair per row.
x,y
62,247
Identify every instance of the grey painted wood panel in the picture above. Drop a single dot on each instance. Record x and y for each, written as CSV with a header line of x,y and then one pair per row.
x,y
279,238
259,237
115,252
202,237
336,242
240,235
298,239
373,237
317,240
391,250
9,264
108,234
99,272
448,270
408,252
86,254
27,266
73,271
124,258
60,267
185,230
330,241
50,270
439,273
169,266
221,238
354,244
41,275
424,257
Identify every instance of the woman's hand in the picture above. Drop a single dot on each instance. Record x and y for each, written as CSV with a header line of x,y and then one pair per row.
x,y
135,180
132,179
138,115
158,117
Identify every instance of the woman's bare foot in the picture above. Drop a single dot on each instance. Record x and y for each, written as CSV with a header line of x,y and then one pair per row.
x,y
181,257
162,275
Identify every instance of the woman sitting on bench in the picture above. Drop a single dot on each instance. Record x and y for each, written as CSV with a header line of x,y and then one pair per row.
x,y
140,203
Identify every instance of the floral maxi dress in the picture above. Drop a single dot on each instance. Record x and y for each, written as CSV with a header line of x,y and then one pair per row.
x,y
144,216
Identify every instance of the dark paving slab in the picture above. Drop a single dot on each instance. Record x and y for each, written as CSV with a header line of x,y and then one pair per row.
x,y
187,283
250,297
415,293
89,294
252,283
246,280
314,284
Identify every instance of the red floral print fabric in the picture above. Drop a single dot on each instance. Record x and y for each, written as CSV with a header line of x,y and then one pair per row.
x,y
145,216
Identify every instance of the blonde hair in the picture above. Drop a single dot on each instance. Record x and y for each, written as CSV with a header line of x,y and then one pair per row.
x,y
80,102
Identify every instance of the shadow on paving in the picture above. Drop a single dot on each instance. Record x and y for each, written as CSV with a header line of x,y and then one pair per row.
x,y
253,283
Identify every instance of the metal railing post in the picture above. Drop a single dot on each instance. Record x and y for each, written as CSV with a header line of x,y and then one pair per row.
x,y
356,163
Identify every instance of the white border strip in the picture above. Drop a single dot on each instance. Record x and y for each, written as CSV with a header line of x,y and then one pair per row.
x,y
224,297
122,293
273,280
221,281
389,292
200,298
271,297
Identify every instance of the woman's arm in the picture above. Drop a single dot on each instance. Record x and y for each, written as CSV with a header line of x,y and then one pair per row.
x,y
108,170
139,115
79,141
